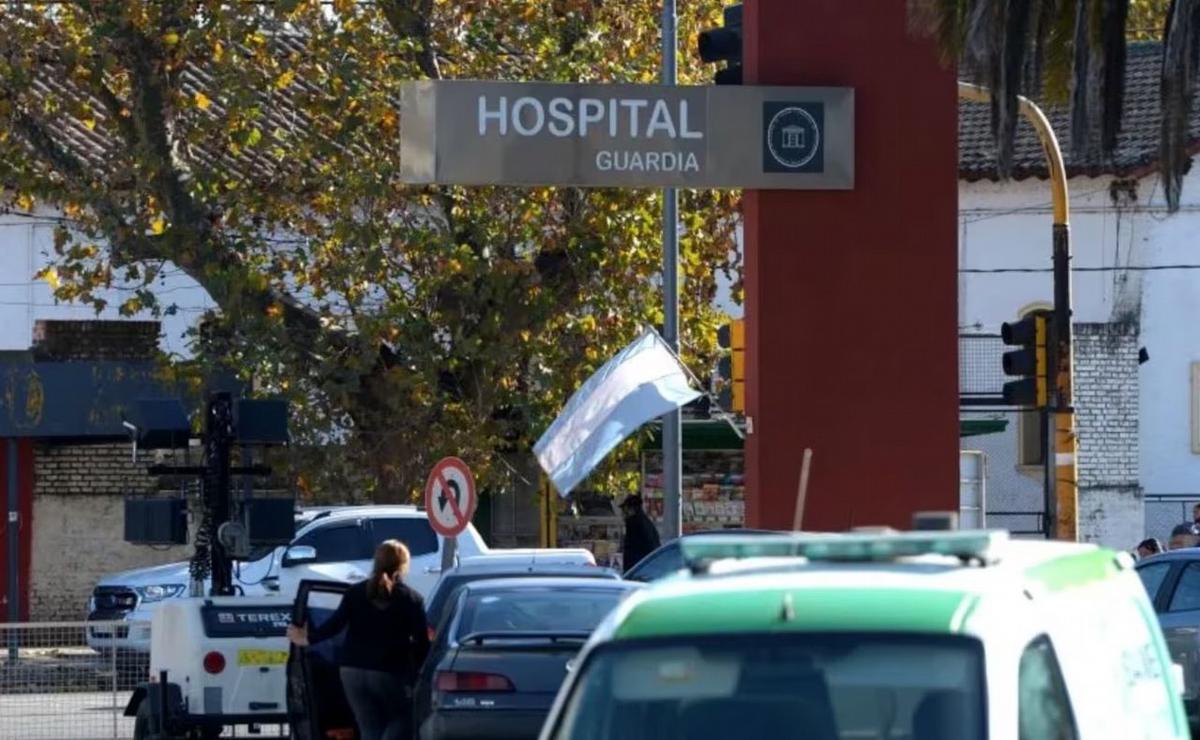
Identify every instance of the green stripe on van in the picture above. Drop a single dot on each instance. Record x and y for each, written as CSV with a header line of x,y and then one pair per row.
x,y
798,610
1071,571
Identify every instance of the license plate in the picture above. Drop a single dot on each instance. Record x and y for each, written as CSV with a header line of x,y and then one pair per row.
x,y
262,657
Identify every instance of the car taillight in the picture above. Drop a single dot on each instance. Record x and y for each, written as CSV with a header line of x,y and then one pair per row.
x,y
455,681
432,633
214,662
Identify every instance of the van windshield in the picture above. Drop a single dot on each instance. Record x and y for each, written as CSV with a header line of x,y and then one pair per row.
x,y
810,687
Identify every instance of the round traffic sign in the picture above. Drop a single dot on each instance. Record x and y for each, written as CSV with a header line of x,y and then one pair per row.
x,y
450,497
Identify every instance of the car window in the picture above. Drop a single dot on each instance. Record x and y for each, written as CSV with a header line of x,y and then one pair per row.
x,y
414,532
319,606
813,686
1187,590
551,610
337,544
1153,576
446,587
657,565
1043,707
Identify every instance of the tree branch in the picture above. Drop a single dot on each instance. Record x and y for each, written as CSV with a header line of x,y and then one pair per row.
x,y
410,19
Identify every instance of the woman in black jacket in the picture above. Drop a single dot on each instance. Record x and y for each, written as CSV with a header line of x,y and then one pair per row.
x,y
386,643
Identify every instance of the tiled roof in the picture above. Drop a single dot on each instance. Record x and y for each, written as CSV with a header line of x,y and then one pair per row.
x,y
1137,149
1137,145
93,146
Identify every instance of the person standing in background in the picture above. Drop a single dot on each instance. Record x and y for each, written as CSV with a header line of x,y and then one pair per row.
x,y
641,536
1147,548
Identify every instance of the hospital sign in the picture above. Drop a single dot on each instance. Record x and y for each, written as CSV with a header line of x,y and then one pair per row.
x,y
506,133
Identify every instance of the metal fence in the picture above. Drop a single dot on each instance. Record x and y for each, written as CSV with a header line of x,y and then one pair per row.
x,y
979,368
54,687
1165,511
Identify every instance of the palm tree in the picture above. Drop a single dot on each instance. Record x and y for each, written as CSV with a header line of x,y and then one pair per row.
x,y
1072,50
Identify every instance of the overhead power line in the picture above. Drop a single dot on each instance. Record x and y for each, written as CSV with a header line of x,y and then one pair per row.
x,y
1128,268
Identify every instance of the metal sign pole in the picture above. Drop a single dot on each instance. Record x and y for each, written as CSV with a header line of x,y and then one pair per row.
x,y
449,552
673,422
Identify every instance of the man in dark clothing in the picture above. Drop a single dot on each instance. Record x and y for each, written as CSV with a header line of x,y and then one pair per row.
x,y
641,536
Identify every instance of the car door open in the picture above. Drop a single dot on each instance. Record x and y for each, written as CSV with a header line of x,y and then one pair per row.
x,y
317,706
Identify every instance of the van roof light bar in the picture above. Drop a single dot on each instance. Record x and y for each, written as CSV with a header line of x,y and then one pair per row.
x,y
979,545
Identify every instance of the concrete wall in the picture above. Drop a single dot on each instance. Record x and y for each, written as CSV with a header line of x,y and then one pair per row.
x,y
1111,510
78,525
27,246
1107,402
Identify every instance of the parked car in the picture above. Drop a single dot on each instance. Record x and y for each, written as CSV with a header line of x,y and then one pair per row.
x,y
482,569
963,635
493,672
1172,580
335,544
668,559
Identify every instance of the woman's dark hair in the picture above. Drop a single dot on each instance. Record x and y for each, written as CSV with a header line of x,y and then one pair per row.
x,y
1151,544
391,564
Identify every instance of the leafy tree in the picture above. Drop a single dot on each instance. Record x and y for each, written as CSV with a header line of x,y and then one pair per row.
x,y
1073,50
254,146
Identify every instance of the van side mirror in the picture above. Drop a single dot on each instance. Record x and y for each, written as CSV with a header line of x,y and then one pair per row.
x,y
299,555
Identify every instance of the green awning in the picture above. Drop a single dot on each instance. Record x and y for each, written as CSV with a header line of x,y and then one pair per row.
x,y
977,427
704,434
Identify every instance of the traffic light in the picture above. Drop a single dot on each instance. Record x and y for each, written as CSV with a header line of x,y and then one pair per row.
x,y
1030,363
724,45
732,369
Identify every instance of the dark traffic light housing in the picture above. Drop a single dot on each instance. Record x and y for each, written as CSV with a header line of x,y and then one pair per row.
x,y
724,45
1031,363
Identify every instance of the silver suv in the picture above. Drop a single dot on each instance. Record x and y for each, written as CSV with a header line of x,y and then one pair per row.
x,y
330,544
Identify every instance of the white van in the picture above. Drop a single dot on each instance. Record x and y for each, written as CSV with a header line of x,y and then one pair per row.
x,y
909,636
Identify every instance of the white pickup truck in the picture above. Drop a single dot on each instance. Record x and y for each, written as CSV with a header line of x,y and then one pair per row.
x,y
331,544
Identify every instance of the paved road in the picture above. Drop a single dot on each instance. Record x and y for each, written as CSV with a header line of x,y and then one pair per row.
x,y
83,716
79,716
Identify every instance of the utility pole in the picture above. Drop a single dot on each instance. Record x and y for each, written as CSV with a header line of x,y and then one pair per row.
x,y
13,538
1065,514
673,422
218,444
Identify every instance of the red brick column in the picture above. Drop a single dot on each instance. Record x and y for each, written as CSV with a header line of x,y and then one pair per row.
x,y
851,296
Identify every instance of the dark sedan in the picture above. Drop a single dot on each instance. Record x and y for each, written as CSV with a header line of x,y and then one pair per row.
x,y
493,672
455,578
668,559
1172,579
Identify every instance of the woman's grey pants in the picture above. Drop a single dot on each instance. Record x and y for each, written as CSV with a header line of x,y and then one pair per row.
x,y
381,702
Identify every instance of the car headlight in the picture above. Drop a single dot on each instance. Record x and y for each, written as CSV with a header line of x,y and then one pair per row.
x,y
158,593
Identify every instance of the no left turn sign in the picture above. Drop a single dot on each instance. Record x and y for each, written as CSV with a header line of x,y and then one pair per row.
x,y
450,497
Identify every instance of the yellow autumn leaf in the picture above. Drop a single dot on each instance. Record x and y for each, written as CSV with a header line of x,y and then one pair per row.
x,y
201,100
158,225
275,310
218,51
170,39
50,275
285,80
25,201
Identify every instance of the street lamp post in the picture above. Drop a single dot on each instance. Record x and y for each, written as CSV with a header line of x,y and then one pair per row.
x,y
1064,518
672,422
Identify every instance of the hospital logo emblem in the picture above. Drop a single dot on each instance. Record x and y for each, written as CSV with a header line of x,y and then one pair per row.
x,y
792,140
